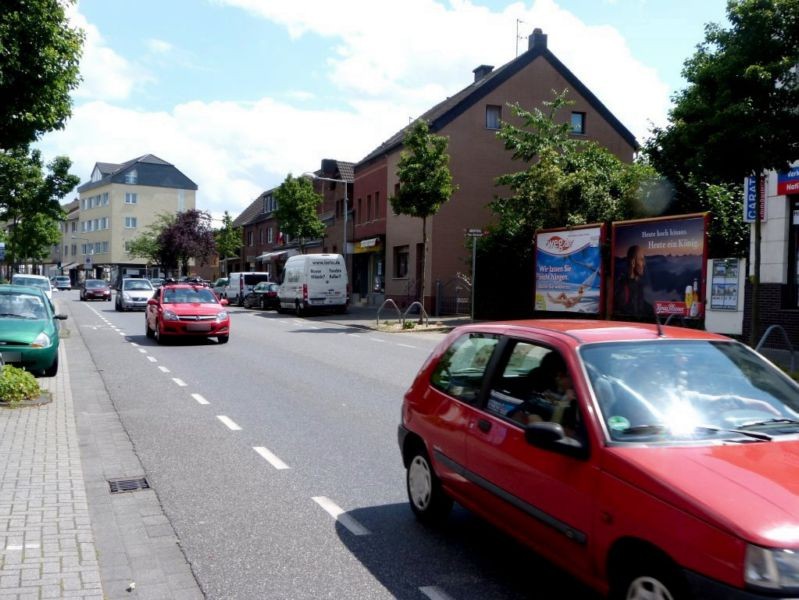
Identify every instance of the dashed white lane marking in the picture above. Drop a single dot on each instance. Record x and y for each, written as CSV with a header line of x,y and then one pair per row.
x,y
406,345
200,399
354,334
152,359
377,340
133,344
270,458
142,350
122,333
434,593
163,369
228,422
179,382
335,511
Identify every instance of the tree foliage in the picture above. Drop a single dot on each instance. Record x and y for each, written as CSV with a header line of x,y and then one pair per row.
x,y
228,238
38,69
30,201
566,180
189,236
146,245
425,180
297,205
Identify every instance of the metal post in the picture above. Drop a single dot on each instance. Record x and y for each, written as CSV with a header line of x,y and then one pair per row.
x,y
474,270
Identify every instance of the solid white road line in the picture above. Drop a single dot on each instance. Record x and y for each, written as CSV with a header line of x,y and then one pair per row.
x,y
180,382
228,422
163,369
434,593
270,458
335,511
200,399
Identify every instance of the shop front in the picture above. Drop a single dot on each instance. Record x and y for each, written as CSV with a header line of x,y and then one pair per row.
x,y
368,271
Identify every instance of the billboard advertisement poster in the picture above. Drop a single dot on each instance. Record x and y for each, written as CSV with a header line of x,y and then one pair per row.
x,y
658,267
568,270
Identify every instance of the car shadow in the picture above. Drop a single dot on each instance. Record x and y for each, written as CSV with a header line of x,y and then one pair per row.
x,y
465,557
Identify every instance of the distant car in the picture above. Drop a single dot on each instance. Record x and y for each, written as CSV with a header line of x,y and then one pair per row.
x,y
186,310
38,281
646,461
95,289
133,293
263,295
62,282
220,287
157,281
28,329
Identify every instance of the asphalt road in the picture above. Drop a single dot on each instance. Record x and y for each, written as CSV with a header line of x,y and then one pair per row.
x,y
275,458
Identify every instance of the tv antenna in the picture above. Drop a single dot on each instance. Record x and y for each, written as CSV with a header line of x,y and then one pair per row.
x,y
518,37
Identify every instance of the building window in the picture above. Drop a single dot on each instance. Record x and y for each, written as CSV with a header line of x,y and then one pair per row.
x,y
400,261
249,238
578,122
130,198
359,213
377,205
181,200
369,207
493,116
132,177
130,222
127,246
261,235
105,199
270,235
74,249
66,250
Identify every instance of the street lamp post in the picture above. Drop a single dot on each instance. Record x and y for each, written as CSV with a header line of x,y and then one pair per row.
x,y
314,176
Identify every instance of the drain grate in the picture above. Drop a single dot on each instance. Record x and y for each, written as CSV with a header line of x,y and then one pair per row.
x,y
128,485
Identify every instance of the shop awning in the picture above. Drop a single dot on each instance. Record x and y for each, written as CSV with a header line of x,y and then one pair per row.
x,y
278,255
68,266
370,245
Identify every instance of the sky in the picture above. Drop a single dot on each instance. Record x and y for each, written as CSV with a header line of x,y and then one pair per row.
x,y
239,93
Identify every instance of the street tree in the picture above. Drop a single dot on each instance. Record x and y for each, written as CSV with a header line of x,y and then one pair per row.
x,y
738,115
32,238
32,192
228,240
189,237
38,69
146,245
566,180
297,206
425,181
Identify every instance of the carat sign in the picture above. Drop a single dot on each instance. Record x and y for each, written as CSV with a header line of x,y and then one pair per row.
x,y
750,200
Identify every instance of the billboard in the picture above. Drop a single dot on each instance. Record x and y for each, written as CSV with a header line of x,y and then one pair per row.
x,y
568,270
658,267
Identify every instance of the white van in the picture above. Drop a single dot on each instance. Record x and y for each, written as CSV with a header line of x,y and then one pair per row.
x,y
241,284
314,281
37,281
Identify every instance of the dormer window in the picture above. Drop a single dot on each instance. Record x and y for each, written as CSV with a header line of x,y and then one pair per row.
x,y
132,177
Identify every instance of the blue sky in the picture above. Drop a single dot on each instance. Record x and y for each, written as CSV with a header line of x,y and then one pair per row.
x,y
238,93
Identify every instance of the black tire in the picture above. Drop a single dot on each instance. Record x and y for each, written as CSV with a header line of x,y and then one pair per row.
x,y
648,576
428,501
160,339
222,339
52,369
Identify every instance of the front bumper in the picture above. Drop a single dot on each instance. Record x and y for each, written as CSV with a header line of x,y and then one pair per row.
x,y
710,589
195,328
34,359
134,303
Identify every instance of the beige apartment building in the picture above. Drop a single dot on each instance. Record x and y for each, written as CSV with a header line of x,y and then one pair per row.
x,y
116,206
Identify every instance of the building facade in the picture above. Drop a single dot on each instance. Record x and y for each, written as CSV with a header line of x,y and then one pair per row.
x,y
470,120
118,204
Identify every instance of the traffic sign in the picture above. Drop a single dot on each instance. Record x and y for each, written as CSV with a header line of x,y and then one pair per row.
x,y
474,233
87,262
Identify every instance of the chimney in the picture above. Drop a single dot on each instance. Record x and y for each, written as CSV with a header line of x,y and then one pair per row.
x,y
481,72
538,40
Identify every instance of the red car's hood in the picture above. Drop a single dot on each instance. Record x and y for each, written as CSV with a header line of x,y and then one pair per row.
x,y
751,489
193,308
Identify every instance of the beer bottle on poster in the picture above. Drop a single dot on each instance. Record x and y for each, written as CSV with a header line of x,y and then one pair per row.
x,y
694,311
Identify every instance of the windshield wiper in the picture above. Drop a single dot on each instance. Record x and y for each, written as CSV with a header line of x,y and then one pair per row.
x,y
655,428
770,422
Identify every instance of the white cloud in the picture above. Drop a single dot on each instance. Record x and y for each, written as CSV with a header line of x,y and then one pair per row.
x,y
391,63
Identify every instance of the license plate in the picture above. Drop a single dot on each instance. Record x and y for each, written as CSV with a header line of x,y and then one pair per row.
x,y
12,357
198,327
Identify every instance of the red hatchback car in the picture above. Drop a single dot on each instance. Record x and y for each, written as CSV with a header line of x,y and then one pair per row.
x,y
649,462
186,310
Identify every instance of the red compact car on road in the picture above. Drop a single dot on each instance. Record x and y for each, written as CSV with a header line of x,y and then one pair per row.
x,y
186,310
648,461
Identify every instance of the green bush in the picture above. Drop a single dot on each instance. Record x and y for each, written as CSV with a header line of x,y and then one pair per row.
x,y
17,385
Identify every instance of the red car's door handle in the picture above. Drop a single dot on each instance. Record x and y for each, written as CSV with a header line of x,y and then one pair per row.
x,y
483,425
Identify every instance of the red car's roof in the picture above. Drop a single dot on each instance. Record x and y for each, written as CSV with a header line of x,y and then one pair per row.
x,y
584,331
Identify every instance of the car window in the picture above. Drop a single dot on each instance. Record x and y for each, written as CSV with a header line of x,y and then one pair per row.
x,y
462,367
676,390
252,279
32,281
137,284
22,306
189,296
533,383
95,283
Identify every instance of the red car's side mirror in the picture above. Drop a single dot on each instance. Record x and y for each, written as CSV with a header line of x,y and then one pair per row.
x,y
224,302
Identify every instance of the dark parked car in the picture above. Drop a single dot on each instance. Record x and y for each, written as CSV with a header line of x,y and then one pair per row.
x,y
95,289
263,295
647,461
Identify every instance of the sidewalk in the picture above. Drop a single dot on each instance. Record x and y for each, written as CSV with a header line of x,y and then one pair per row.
x,y
63,533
